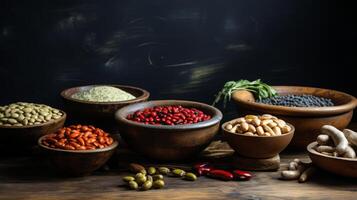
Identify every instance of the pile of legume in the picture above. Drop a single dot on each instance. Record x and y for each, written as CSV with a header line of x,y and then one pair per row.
x,y
264,125
169,115
78,137
23,114
298,101
103,94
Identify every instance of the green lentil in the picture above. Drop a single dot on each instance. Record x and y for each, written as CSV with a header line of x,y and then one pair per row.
x,y
128,178
158,184
164,170
178,172
190,177
151,170
133,185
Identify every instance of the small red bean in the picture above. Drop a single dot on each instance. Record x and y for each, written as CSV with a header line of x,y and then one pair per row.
x,y
169,115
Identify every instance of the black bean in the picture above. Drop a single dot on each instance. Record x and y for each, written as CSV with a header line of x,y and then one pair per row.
x,y
298,101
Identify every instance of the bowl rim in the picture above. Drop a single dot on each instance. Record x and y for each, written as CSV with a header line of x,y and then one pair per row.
x,y
214,119
314,152
63,117
350,105
145,95
257,136
108,148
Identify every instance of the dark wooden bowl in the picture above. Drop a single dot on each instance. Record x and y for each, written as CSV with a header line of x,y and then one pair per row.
x,y
307,121
76,162
337,165
89,112
165,142
257,146
25,137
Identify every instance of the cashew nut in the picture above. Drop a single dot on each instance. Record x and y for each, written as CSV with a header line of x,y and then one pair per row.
x,y
293,165
322,139
292,174
350,153
351,136
338,138
307,174
325,148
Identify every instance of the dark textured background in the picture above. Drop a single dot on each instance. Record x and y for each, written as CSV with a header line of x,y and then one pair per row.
x,y
174,48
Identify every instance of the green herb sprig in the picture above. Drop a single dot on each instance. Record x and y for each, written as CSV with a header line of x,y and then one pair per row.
x,y
259,89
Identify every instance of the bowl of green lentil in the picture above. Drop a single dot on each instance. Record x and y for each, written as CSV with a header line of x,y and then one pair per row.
x,y
21,123
306,108
98,103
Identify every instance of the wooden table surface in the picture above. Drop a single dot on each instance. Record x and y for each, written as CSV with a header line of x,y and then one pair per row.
x,y
28,178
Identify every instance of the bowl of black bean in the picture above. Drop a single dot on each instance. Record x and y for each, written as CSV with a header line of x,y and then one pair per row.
x,y
307,108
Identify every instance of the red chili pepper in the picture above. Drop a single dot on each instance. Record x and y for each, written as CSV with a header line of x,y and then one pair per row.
x,y
202,168
241,175
199,165
220,174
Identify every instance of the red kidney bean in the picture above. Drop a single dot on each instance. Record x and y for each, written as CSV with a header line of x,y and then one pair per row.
x,y
169,115
241,175
220,174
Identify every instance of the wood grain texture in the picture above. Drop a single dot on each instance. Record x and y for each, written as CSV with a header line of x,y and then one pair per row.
x,y
22,178
26,178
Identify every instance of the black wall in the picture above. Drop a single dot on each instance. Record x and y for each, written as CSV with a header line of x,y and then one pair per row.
x,y
181,49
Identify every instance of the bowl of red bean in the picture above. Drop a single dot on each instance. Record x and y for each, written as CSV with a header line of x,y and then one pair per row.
x,y
77,150
168,129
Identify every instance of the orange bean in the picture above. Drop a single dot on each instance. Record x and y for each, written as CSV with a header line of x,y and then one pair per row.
x,y
81,141
61,135
91,140
101,140
75,134
110,141
45,143
69,147
63,140
74,144
51,140
59,145
85,128
81,148
90,147
87,134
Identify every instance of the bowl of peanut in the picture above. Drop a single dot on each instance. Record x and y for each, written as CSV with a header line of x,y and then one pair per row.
x,y
77,150
258,136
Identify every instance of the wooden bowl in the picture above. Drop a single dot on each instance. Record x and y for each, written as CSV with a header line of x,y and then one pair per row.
x,y
163,142
25,137
77,162
337,165
306,120
89,111
257,146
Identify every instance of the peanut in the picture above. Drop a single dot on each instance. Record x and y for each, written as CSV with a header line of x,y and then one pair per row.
x,y
265,125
